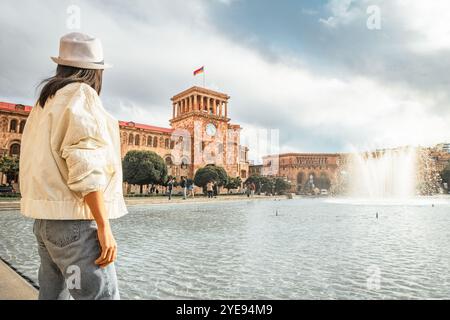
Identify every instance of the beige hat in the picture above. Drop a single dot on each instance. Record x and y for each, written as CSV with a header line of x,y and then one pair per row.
x,y
81,51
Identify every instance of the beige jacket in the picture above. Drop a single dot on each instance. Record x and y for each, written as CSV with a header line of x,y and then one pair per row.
x,y
69,148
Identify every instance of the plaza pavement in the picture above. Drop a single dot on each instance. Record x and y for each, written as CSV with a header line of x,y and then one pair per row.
x,y
13,286
15,204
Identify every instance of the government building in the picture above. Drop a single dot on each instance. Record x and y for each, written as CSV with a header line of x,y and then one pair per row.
x,y
304,171
200,133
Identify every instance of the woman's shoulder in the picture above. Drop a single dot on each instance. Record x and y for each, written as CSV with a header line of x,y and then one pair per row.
x,y
74,92
77,88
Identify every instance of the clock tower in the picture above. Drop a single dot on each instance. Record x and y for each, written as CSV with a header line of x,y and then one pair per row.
x,y
203,133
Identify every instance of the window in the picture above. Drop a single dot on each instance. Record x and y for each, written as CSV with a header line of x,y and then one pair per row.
x,y
22,126
166,143
137,140
149,141
14,150
184,163
130,139
13,125
155,142
168,161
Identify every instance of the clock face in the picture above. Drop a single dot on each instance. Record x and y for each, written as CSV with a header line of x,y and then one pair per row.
x,y
211,129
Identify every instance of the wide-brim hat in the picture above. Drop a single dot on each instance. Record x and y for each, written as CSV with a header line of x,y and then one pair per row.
x,y
81,51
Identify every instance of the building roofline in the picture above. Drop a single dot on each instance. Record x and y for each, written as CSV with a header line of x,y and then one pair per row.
x,y
306,154
8,106
133,124
200,90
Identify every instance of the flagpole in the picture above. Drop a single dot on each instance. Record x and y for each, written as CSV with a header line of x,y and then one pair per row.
x,y
204,77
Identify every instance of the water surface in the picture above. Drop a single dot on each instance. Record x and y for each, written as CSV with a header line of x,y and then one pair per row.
x,y
313,249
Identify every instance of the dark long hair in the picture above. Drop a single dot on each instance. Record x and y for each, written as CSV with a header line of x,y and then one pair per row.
x,y
65,75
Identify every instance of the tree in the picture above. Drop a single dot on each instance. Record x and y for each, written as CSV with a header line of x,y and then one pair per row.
x,y
281,185
144,167
255,178
262,184
9,166
267,185
233,183
445,174
221,174
210,173
204,175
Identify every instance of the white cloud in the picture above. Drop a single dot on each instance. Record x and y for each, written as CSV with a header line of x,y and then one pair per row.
x,y
429,20
155,46
342,12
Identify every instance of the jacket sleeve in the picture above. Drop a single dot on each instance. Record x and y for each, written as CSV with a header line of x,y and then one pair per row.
x,y
84,146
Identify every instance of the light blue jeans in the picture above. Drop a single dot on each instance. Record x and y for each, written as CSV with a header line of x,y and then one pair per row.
x,y
68,250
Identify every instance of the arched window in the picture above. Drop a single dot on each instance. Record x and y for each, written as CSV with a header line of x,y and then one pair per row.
x,y
323,182
13,125
166,143
130,139
14,150
155,142
149,141
168,161
22,126
184,163
300,178
137,140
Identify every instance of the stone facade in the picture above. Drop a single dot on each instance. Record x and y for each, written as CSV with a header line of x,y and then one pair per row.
x,y
255,169
204,133
304,169
200,134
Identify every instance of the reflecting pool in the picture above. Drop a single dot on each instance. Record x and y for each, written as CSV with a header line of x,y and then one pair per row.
x,y
266,249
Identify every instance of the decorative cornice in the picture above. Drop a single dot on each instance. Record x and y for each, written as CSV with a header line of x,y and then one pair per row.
x,y
200,90
199,114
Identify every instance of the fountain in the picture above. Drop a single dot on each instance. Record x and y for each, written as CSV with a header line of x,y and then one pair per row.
x,y
400,176
384,174
400,173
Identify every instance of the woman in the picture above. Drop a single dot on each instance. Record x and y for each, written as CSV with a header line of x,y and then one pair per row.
x,y
191,188
71,176
209,189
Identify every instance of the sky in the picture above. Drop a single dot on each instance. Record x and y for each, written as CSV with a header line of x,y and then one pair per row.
x,y
326,76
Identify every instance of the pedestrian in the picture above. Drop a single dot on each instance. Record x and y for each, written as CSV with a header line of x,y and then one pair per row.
x,y
183,185
209,189
190,188
170,185
74,188
252,188
215,189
